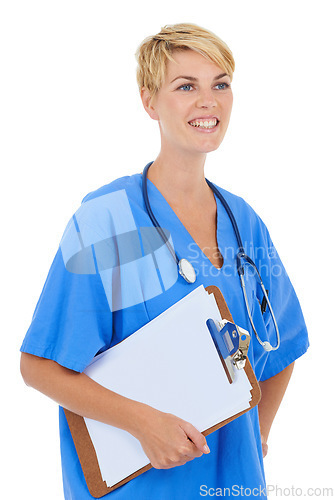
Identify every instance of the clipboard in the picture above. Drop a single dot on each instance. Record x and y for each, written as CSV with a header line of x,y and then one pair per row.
x,y
85,448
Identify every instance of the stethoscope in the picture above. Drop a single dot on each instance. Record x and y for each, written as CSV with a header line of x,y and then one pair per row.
x,y
187,270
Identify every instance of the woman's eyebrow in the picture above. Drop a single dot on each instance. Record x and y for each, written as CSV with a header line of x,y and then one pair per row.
x,y
193,79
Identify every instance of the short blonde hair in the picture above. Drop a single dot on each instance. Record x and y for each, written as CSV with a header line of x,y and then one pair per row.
x,y
154,51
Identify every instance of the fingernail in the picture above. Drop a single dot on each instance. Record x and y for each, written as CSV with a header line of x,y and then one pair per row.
x,y
206,449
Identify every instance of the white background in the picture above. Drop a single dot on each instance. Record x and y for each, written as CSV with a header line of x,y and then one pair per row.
x,y
72,120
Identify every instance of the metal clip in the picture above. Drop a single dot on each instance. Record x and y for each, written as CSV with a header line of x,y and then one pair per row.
x,y
239,357
237,340
232,344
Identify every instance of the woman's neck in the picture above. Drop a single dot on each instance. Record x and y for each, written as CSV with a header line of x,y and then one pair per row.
x,y
180,180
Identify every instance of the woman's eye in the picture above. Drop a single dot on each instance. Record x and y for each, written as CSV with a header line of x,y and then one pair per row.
x,y
223,85
185,85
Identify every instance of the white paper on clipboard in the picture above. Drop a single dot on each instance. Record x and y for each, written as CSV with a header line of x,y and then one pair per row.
x,y
172,364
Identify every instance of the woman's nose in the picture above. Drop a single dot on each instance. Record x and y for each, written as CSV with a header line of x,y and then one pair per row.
x,y
206,98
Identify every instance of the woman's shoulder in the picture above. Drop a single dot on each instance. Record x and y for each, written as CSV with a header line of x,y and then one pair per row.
x,y
128,183
106,209
249,221
113,196
237,203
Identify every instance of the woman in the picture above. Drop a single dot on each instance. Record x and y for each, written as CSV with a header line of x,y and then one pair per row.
x,y
95,298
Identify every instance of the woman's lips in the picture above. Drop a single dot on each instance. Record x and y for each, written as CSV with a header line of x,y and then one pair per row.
x,y
204,129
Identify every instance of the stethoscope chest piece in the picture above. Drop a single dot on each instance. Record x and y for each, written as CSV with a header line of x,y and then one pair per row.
x,y
187,271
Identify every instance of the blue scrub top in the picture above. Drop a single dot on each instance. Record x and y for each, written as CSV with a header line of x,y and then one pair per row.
x,y
111,275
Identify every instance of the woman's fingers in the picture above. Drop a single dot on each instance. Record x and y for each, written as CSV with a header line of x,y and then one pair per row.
x,y
169,441
197,438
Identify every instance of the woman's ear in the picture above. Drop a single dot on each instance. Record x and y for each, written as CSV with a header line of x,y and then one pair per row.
x,y
148,103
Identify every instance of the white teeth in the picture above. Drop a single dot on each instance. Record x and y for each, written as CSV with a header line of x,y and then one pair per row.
x,y
204,124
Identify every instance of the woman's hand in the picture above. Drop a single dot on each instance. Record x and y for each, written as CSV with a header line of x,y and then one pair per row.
x,y
168,440
264,446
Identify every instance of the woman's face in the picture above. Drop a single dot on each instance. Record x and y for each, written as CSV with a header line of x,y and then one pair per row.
x,y
193,106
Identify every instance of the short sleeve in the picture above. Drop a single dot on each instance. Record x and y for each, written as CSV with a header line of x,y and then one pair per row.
x,y
72,321
292,328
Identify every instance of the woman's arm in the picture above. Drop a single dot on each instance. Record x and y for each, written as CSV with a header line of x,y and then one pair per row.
x,y
167,440
272,390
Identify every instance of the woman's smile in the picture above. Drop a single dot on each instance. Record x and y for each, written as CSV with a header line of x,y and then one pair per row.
x,y
205,124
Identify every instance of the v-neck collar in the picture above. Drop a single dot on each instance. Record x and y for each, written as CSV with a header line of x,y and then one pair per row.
x,y
156,193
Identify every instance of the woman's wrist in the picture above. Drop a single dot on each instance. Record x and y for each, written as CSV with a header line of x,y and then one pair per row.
x,y
138,418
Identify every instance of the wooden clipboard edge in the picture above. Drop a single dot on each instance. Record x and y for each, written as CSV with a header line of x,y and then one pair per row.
x,y
256,396
88,459
84,446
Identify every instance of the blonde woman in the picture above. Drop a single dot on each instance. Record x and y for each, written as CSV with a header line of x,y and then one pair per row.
x,y
91,301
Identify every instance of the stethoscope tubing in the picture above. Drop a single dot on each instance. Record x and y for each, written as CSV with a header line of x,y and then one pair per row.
x,y
151,215
241,254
